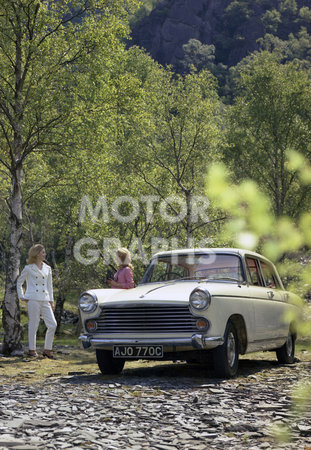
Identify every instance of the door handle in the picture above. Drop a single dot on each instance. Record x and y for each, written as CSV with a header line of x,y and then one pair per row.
x,y
270,294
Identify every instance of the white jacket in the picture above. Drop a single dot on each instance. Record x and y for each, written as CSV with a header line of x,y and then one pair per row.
x,y
39,283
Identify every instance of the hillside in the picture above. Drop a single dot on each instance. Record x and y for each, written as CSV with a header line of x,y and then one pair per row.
x,y
232,27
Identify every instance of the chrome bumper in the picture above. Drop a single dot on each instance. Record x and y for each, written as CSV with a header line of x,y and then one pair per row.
x,y
195,342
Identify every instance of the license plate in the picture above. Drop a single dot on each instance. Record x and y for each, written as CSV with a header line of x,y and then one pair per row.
x,y
138,351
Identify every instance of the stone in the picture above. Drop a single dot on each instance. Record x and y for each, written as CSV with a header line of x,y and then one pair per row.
x,y
6,441
16,423
149,411
17,353
305,429
77,373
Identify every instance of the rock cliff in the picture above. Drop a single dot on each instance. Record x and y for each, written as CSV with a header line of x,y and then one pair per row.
x,y
232,26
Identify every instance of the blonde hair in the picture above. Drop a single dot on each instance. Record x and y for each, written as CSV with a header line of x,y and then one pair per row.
x,y
125,257
33,253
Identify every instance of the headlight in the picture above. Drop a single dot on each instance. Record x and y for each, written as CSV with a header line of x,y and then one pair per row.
x,y
88,303
200,299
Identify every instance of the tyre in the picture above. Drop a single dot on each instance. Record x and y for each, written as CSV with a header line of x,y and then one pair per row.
x,y
107,364
226,356
286,353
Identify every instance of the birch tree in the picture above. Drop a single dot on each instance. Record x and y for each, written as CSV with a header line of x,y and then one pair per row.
x,y
179,140
45,47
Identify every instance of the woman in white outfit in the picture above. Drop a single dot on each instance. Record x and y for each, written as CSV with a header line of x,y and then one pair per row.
x,y
39,298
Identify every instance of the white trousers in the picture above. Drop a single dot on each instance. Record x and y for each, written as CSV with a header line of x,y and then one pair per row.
x,y
36,310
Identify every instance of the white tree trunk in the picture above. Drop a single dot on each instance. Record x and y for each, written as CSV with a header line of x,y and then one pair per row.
x,y
10,308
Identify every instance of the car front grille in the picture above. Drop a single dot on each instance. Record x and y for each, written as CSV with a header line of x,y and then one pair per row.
x,y
164,319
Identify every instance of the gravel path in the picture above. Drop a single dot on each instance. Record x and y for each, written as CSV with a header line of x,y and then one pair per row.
x,y
167,407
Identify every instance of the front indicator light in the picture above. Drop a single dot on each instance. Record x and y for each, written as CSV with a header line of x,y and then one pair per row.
x,y
91,325
202,324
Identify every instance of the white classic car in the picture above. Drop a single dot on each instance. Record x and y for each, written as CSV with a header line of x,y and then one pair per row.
x,y
193,305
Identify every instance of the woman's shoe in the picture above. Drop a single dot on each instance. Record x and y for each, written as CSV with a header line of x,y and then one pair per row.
x,y
48,354
32,353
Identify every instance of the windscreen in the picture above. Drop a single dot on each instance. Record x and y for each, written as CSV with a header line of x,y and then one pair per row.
x,y
211,266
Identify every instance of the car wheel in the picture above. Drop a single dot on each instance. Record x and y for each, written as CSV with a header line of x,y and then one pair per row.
x,y
226,356
286,353
107,364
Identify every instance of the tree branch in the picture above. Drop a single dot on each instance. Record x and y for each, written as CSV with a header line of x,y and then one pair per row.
x,y
207,223
79,13
44,185
143,175
160,163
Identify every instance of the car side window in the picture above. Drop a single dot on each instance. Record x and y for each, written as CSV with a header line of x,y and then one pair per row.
x,y
270,278
254,271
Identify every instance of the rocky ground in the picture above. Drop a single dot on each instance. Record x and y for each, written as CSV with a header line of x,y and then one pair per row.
x,y
67,404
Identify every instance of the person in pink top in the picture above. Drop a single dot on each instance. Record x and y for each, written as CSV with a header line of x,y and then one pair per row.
x,y
123,278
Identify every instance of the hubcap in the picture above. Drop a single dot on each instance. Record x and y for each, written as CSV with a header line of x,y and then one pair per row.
x,y
231,351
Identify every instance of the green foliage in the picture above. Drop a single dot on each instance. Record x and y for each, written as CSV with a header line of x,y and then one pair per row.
x,y
237,12
198,55
146,7
164,131
288,7
270,117
180,136
305,14
252,225
50,47
296,48
271,19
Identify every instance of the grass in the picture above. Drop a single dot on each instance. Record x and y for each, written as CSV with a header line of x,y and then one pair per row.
x,y
71,360
33,370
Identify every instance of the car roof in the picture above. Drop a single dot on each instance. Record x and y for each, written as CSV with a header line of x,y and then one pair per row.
x,y
191,251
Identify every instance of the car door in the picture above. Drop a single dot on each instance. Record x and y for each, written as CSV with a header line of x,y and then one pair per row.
x,y
276,300
268,298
